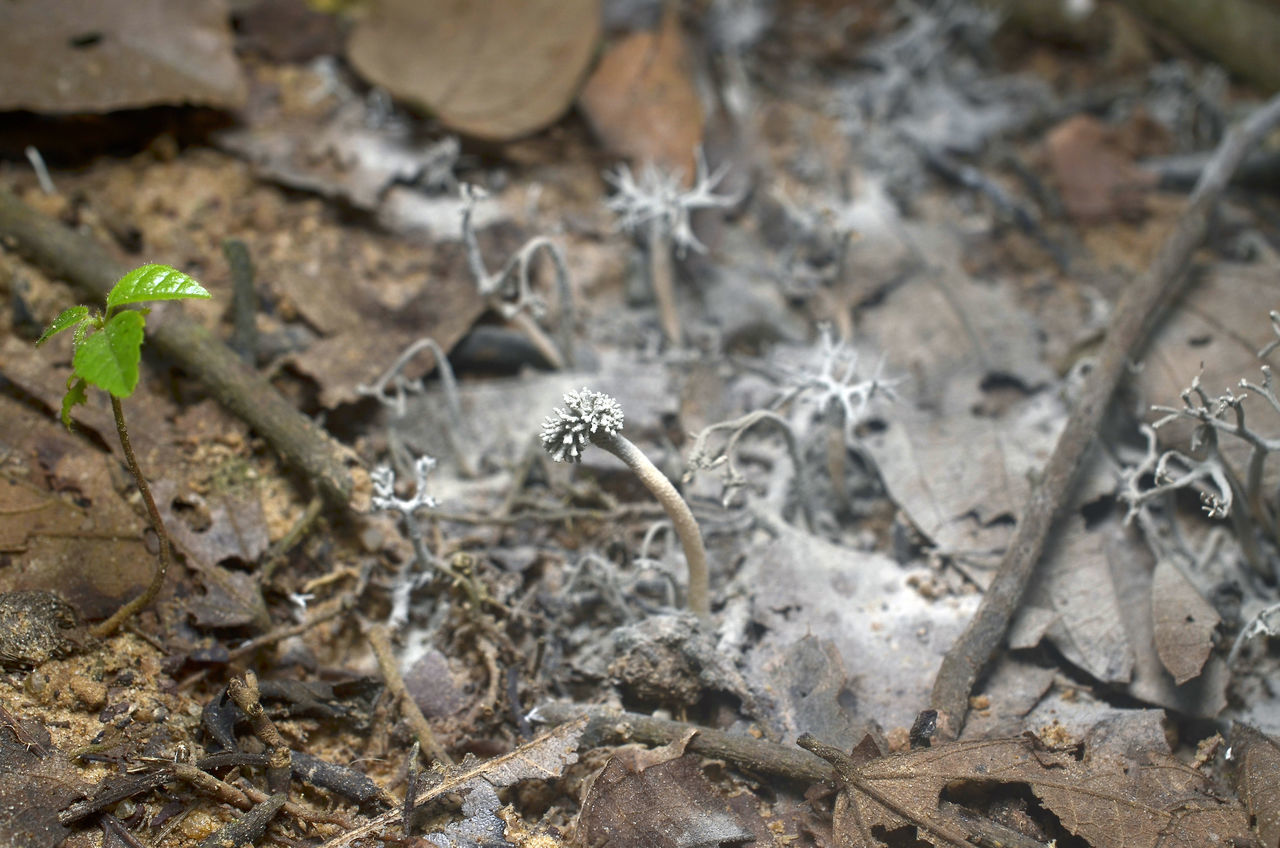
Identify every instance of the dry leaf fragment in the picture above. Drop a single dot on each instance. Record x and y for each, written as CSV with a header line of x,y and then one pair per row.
x,y
1113,802
1258,779
495,69
36,781
658,799
1097,178
641,101
1184,622
67,56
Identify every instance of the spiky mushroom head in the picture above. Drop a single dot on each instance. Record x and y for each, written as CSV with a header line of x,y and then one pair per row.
x,y
566,432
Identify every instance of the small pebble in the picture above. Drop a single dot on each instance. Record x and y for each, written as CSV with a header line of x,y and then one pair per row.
x,y
91,693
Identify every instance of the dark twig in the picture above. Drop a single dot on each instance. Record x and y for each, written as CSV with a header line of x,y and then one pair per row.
x,y
614,727
244,301
1133,318
279,758
84,263
248,828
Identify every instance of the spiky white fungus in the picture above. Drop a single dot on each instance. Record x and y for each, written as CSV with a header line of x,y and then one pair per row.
x,y
566,432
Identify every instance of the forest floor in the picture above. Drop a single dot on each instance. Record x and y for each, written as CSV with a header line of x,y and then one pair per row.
x,y
881,285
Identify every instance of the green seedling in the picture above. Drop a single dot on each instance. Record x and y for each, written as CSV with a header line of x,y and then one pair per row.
x,y
107,349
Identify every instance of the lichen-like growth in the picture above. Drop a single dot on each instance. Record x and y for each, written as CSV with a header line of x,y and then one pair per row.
x,y
595,418
566,432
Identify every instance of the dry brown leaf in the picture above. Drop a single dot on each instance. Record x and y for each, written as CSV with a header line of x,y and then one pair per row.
x,y
1215,330
495,69
668,804
68,56
1184,622
1258,779
641,101
36,781
84,542
1110,801
1097,178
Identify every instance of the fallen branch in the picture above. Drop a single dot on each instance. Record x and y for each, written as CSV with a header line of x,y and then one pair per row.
x,y
86,265
1133,318
758,756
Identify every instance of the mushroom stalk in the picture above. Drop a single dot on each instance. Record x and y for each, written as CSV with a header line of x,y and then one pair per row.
x,y
596,418
695,553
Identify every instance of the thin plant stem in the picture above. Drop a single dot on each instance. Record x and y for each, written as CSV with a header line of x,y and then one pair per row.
x,y
695,553
120,616
662,279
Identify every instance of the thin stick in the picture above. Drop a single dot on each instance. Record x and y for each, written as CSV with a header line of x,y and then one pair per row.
x,y
613,727
120,616
381,644
662,277
1134,316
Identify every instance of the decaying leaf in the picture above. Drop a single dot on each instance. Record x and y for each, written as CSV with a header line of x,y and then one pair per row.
x,y
225,523
1257,759
495,69
1111,801
80,540
69,56
1204,695
657,799
1093,599
36,781
957,450
1096,176
1215,330
1074,603
543,758
1184,622
641,102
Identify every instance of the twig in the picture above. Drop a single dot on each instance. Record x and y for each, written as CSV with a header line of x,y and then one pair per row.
x,y
1134,316
83,262
662,277
336,607
244,692
614,727
566,515
381,645
244,301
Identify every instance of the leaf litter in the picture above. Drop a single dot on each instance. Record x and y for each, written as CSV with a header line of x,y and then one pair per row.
x,y
537,582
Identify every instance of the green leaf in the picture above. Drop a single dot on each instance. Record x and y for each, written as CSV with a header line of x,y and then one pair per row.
x,y
154,282
68,319
109,358
75,395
